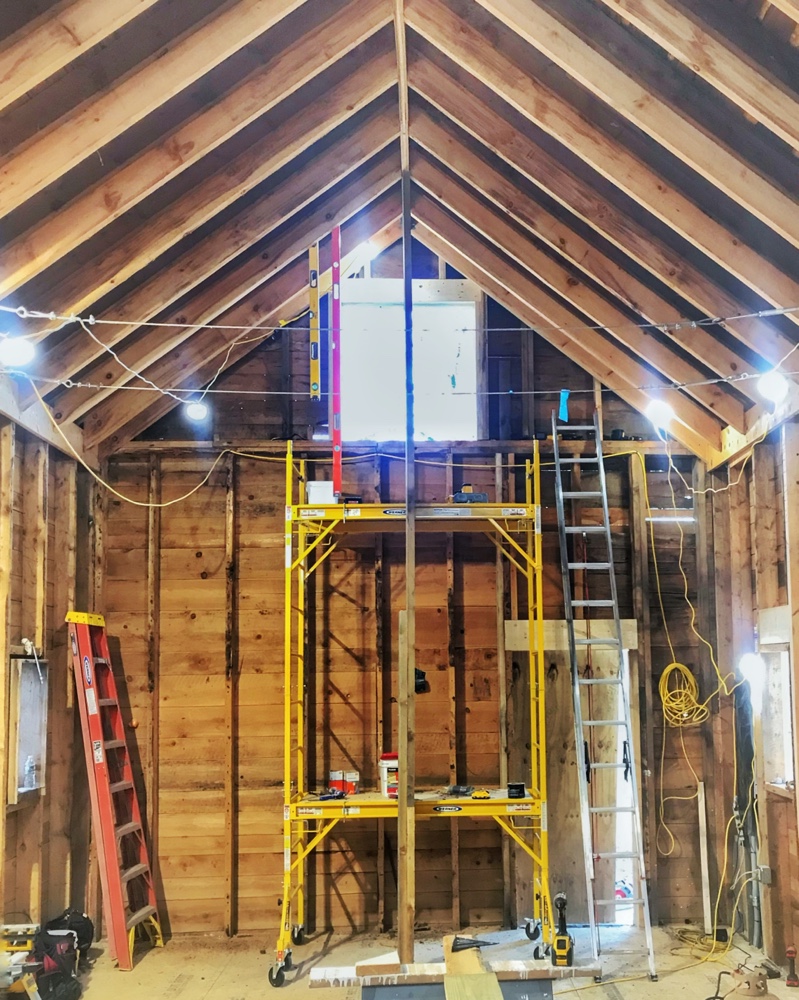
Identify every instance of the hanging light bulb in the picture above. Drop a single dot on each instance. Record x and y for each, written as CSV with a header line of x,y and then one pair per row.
x,y
16,351
196,410
660,413
753,669
773,386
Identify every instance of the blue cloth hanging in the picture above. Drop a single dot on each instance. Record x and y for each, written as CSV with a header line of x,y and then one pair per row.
x,y
563,409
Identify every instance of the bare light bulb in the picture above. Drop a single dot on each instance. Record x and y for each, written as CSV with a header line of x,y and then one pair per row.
x,y
660,413
16,351
197,410
773,386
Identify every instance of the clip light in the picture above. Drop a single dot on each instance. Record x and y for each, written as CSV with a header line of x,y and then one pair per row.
x,y
16,351
660,413
196,410
773,386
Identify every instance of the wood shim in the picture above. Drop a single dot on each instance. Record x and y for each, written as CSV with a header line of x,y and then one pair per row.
x,y
556,636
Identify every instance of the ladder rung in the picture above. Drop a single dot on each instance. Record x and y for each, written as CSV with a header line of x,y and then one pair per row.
x,y
120,786
611,809
606,767
637,901
596,642
607,855
604,722
126,828
100,661
580,460
581,494
130,873
589,565
576,427
600,680
114,744
585,529
108,702
594,603
140,916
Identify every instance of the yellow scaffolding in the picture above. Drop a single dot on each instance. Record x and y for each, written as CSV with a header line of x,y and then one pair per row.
x,y
516,530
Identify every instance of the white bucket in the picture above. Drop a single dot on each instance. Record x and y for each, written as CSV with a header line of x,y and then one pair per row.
x,y
389,778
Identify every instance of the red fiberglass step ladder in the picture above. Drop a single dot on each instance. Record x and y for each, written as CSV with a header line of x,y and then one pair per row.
x,y
125,875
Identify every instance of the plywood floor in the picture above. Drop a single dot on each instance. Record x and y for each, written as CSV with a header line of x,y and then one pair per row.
x,y
215,968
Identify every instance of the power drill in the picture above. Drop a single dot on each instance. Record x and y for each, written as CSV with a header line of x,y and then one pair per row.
x,y
563,944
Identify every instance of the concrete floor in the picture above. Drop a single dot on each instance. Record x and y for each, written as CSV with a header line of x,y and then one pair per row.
x,y
196,968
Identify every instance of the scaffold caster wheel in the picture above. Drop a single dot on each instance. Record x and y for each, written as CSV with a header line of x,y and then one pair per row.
x,y
288,965
298,936
276,976
532,930
538,953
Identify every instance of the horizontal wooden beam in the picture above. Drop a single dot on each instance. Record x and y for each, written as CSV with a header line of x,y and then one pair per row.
x,y
578,198
121,189
487,448
789,7
201,261
528,95
55,39
280,299
731,71
95,122
484,265
517,247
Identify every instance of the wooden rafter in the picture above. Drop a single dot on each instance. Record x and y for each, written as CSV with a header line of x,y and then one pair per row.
x,y
505,192
93,124
201,261
458,244
789,7
123,188
580,199
729,70
36,421
280,299
465,46
644,108
57,38
209,305
581,296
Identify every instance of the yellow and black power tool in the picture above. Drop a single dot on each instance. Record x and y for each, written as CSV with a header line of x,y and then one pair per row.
x,y
563,943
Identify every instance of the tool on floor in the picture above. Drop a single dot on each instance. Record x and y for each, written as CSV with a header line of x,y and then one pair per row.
x,y
751,982
18,967
563,942
125,874
791,979
464,943
601,702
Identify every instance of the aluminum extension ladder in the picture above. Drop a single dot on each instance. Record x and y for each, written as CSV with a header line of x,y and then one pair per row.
x,y
607,769
125,875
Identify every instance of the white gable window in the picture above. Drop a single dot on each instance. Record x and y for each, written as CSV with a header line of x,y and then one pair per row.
x,y
445,364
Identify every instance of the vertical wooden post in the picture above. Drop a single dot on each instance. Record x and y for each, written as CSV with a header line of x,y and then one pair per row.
x,y
6,527
706,620
501,570
57,867
639,543
735,631
407,701
790,450
154,651
381,667
452,693
231,701
30,821
764,525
